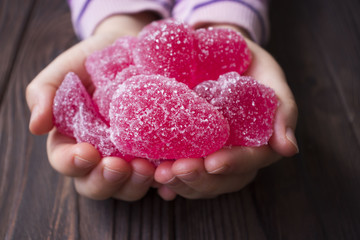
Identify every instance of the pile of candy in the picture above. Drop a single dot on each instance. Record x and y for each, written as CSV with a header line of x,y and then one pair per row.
x,y
172,92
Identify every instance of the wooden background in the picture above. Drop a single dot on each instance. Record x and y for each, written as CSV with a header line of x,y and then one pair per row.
x,y
314,195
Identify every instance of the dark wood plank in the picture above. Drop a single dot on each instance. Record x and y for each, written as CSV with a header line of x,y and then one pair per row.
x,y
225,217
316,194
13,22
96,219
35,203
149,218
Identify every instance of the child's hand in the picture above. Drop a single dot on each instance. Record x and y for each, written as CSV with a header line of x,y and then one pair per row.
x,y
229,170
94,177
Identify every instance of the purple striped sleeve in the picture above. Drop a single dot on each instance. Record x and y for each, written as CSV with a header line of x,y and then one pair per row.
x,y
252,15
87,14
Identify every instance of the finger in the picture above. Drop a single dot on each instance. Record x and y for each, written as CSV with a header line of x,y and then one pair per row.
x,y
239,160
105,179
189,169
194,174
283,139
140,181
69,158
166,193
165,176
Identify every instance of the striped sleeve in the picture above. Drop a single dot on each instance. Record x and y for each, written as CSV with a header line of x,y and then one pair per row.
x,y
87,14
252,15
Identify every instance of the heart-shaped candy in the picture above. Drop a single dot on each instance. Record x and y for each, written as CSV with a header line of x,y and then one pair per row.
x,y
156,117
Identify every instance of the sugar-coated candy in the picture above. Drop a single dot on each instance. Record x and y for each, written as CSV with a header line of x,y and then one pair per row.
x,y
89,127
166,47
76,115
104,65
218,51
102,96
68,99
155,117
248,105
173,49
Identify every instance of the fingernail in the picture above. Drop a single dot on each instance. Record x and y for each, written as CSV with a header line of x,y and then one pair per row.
x,y
113,176
291,137
140,178
82,163
219,170
189,177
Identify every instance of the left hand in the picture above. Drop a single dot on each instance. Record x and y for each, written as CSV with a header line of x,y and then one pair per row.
x,y
230,169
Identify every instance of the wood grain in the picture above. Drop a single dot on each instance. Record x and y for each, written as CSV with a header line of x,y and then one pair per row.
x,y
313,195
14,16
321,194
35,201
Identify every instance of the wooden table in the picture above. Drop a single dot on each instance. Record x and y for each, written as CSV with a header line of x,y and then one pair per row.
x,y
314,195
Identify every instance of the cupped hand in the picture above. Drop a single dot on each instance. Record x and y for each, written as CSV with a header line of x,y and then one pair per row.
x,y
94,177
230,169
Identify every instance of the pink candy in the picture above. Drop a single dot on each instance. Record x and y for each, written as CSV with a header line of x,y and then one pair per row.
x,y
248,105
76,115
156,117
71,96
172,49
103,95
219,51
166,48
104,65
143,105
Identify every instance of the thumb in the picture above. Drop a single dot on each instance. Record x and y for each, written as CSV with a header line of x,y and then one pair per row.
x,y
41,91
266,70
40,98
283,140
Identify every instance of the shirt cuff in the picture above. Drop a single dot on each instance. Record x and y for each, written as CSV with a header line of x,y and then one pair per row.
x,y
250,15
86,15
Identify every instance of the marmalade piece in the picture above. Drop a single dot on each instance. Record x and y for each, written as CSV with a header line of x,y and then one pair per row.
x,y
70,96
76,115
166,47
102,96
220,51
104,65
155,117
248,105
